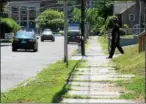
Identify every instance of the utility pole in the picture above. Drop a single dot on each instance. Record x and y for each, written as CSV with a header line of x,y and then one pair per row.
x,y
82,27
65,33
145,48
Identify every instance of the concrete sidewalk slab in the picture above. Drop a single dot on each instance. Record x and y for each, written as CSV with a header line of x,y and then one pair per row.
x,y
99,101
95,82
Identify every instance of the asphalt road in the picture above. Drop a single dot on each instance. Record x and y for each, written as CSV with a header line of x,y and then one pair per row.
x,y
19,66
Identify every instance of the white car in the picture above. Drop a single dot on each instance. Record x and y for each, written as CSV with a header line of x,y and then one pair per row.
x,y
47,35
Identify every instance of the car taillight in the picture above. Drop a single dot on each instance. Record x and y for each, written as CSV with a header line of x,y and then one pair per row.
x,y
31,40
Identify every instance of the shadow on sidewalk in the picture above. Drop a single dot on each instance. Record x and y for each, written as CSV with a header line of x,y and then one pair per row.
x,y
58,96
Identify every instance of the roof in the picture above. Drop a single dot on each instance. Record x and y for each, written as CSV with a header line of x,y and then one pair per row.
x,y
121,6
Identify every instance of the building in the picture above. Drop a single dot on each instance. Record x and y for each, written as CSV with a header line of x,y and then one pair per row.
x,y
26,11
128,12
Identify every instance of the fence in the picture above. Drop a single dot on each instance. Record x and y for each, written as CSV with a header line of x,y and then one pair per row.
x,y
142,41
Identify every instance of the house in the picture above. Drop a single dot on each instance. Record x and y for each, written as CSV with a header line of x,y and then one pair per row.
x,y
128,12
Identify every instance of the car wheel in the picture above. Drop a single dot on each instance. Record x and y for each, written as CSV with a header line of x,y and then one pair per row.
x,y
14,49
53,40
35,50
42,40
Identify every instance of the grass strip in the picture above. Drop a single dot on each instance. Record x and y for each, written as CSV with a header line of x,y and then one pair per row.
x,y
132,62
47,87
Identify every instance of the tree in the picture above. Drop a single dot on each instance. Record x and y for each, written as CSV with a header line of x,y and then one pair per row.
x,y
92,16
52,19
105,7
1,7
76,15
94,19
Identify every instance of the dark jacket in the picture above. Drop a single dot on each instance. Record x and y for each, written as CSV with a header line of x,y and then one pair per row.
x,y
115,34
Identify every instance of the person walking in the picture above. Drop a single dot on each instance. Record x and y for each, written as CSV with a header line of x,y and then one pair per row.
x,y
115,41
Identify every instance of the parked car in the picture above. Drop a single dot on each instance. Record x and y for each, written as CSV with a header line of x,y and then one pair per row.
x,y
74,34
47,34
25,40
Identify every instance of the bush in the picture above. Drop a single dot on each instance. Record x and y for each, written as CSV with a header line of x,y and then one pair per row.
x,y
103,30
122,32
125,26
9,24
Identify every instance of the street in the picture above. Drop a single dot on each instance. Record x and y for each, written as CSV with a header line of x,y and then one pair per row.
x,y
19,66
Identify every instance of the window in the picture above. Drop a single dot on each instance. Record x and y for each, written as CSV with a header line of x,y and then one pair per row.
x,y
15,10
131,17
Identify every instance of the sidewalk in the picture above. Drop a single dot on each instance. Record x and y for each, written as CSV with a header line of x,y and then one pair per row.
x,y
95,82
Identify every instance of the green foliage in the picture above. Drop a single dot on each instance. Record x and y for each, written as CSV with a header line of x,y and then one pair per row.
x,y
125,26
76,15
122,32
137,86
104,28
94,19
2,7
9,24
52,19
132,62
105,7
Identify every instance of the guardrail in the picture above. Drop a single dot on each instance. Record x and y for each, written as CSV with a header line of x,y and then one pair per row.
x,y
142,41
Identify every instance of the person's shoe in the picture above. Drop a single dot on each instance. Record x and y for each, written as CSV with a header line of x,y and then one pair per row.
x,y
122,52
109,57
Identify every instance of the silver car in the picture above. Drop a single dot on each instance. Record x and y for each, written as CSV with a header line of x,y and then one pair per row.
x,y
47,35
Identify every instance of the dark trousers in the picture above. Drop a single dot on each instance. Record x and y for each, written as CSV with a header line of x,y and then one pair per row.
x,y
113,47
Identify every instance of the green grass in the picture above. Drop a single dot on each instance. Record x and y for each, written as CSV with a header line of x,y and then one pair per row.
x,y
76,96
127,36
132,62
47,87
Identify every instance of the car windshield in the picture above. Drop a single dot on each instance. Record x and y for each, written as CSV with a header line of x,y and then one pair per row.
x,y
47,32
24,34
